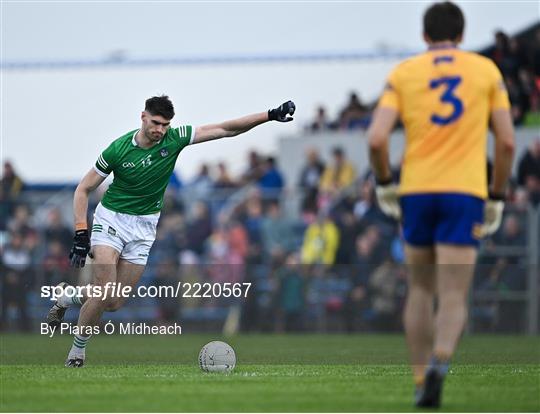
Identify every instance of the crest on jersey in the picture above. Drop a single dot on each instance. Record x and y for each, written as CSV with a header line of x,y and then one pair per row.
x,y
164,152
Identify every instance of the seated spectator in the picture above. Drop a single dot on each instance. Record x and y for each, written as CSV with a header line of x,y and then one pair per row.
x,y
321,241
201,186
309,181
291,295
529,171
253,223
518,99
16,279
199,227
271,181
337,176
56,230
277,232
56,264
321,122
223,180
354,115
366,209
20,224
383,286
253,171
11,183
348,231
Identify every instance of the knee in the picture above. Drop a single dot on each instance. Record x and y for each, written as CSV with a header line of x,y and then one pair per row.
x,y
112,305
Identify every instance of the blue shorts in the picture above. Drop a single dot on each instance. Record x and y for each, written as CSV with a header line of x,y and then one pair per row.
x,y
448,218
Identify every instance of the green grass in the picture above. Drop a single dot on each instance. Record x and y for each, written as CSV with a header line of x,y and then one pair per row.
x,y
322,373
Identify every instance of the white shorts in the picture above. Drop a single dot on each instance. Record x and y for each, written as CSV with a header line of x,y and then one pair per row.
x,y
132,236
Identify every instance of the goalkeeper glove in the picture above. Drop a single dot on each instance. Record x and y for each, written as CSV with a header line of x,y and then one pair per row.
x,y
493,212
388,199
280,113
81,248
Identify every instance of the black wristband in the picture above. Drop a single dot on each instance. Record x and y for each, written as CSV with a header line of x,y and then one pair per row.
x,y
496,196
272,114
383,182
83,232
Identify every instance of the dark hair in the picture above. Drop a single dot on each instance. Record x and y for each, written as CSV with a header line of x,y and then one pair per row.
x,y
443,21
160,105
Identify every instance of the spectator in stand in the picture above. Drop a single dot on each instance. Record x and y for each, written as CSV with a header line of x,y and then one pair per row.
x,y
10,188
253,170
20,224
383,286
534,53
175,183
199,227
277,232
309,181
338,175
500,52
56,264
529,171
11,183
223,180
226,251
56,230
167,274
366,209
253,224
518,99
321,242
354,115
291,295
348,231
271,181
321,122
201,186
16,279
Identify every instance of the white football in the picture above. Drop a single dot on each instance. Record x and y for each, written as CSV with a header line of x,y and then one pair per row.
x,y
217,356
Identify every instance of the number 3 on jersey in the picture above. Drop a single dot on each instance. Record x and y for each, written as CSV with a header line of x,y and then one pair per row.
x,y
448,97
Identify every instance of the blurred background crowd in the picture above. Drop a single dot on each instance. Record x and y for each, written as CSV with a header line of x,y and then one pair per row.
x,y
319,252
518,59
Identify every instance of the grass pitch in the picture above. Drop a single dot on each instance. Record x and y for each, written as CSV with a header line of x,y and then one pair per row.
x,y
324,373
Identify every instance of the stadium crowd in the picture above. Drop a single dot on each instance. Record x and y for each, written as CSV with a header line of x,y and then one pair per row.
x,y
334,263
518,59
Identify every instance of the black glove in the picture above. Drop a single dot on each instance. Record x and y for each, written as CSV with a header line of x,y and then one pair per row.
x,y
81,247
280,113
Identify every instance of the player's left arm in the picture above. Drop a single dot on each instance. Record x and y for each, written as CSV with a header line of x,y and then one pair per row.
x,y
235,127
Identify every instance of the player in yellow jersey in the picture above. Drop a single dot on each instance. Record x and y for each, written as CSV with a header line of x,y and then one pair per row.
x,y
446,99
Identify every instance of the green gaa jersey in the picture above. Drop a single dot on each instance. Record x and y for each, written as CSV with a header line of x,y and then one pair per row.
x,y
141,175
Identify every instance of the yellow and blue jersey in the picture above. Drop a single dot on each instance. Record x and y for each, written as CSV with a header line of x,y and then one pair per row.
x,y
444,98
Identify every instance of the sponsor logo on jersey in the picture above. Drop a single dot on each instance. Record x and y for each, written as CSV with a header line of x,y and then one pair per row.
x,y
147,161
111,231
164,152
128,164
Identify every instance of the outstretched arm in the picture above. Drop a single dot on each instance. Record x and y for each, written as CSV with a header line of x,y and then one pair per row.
x,y
238,126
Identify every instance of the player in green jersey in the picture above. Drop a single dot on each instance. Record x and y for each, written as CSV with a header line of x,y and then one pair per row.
x,y
124,225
